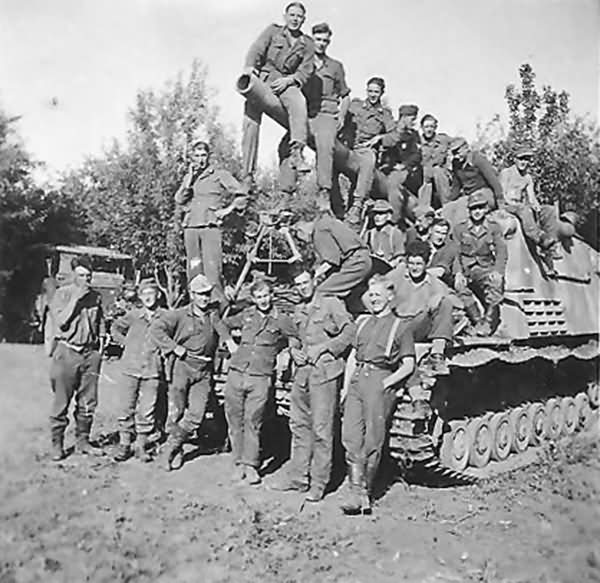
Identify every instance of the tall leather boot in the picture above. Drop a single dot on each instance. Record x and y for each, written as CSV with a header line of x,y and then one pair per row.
x,y
354,216
83,446
491,320
472,312
57,451
357,495
141,448
173,447
123,452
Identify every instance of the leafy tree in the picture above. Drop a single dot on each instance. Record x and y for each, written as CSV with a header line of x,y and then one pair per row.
x,y
29,217
566,165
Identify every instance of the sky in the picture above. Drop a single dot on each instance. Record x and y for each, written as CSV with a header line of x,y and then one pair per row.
x,y
71,68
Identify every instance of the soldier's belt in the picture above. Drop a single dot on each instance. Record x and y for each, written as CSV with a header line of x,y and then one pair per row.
x,y
372,366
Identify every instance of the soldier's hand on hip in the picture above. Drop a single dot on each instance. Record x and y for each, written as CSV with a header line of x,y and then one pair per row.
x,y
299,356
460,281
280,85
179,351
313,353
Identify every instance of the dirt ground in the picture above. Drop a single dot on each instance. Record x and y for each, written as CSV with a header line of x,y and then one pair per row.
x,y
95,520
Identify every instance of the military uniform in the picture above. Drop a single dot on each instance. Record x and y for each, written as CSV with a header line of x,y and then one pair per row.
x,y
436,177
381,342
482,251
445,257
323,92
275,54
201,233
541,225
386,243
142,372
325,324
363,122
79,327
337,244
249,378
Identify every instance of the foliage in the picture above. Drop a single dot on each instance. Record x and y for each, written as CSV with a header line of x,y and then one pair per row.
x,y
128,191
566,165
29,216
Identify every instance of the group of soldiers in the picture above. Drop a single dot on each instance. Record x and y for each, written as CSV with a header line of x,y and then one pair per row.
x,y
433,232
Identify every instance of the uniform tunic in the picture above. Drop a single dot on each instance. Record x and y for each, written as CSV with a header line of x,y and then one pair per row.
x,y
387,243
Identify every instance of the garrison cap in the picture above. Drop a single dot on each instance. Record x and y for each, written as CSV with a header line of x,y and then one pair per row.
x,y
381,206
457,143
408,110
477,198
147,283
423,211
523,152
200,284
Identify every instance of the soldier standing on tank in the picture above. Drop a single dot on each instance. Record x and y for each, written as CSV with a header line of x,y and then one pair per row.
x,y
366,123
282,56
385,356
79,327
326,331
201,195
482,264
539,221
402,158
264,332
343,258
188,338
142,372
385,240
434,152
328,99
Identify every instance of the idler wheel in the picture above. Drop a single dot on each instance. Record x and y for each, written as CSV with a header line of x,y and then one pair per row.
x,y
454,452
537,414
523,428
554,419
593,393
570,415
482,440
503,431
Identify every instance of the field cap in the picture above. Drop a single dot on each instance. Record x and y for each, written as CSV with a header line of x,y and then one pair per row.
x,y
381,206
457,143
200,284
408,110
477,199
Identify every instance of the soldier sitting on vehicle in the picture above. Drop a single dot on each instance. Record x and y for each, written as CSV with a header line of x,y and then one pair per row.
x,y
481,266
384,353
422,301
539,221
264,332
444,252
142,372
385,240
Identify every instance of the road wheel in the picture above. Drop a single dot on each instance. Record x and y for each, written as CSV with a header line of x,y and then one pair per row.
x,y
537,414
454,452
570,415
584,409
482,441
593,393
523,428
554,419
502,435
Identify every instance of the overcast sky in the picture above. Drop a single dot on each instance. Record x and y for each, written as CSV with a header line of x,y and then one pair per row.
x,y
71,68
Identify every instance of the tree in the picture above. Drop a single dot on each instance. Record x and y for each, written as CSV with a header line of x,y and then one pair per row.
x,y
566,165
29,216
128,191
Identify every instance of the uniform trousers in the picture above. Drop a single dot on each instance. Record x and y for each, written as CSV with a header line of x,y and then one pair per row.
x,y
204,253
436,187
313,403
541,229
137,404
488,291
352,271
188,395
246,397
74,373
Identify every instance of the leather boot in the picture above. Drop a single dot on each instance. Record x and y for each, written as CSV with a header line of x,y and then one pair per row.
x,y
490,321
173,447
141,448
123,452
354,216
57,451
297,159
356,491
82,440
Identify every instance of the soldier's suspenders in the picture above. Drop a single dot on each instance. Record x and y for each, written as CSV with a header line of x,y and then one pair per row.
x,y
362,320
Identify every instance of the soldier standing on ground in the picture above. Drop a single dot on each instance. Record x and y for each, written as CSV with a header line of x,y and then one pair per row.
x,y
385,356
436,176
142,372
385,240
78,320
482,264
201,195
264,332
326,330
367,122
283,57
188,338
